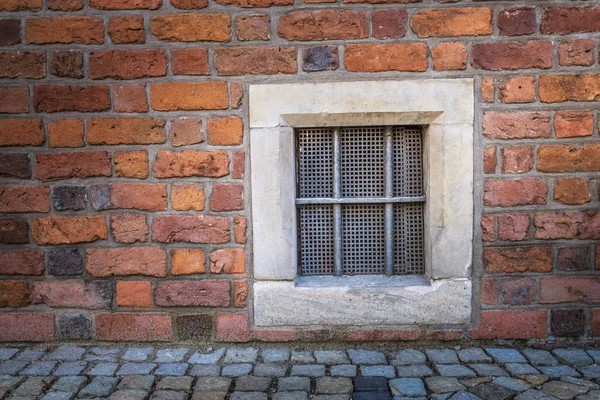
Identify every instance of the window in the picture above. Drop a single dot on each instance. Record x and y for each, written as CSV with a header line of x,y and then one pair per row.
x,y
360,200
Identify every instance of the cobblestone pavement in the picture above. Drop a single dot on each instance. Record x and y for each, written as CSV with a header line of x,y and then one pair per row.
x,y
250,373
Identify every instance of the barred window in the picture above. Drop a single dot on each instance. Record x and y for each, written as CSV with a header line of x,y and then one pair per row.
x,y
360,200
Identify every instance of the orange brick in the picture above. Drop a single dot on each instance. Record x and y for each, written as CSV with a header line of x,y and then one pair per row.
x,y
131,164
187,262
520,89
228,131
186,131
66,133
185,197
192,27
134,294
173,96
386,57
569,124
449,56
453,22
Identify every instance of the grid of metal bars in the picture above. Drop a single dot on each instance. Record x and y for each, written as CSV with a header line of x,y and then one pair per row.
x,y
360,200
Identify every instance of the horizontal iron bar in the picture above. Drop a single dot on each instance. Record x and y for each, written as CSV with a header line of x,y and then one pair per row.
x,y
360,200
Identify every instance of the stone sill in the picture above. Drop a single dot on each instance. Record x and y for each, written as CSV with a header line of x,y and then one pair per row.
x,y
362,281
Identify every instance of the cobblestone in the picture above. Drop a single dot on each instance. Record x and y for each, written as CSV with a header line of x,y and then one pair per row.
x,y
366,357
275,355
331,357
270,370
408,357
506,356
442,356
343,370
40,368
207,358
205,370
170,355
573,357
414,371
138,354
67,353
104,369
70,368
241,355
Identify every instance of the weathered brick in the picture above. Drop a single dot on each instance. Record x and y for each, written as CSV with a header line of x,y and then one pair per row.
x,y
186,131
511,325
190,228
23,199
489,291
227,261
187,262
204,293
128,29
559,88
131,164
197,327
567,225
134,294
66,30
21,5
130,98
256,61
573,123
320,58
237,94
14,231
520,89
170,164
388,24
65,5
487,90
256,3
232,328
69,197
67,64
240,293
22,64
574,258
73,294
453,22
239,159
516,125
227,197
510,193
569,289
449,56
22,262
134,327
68,230
21,132
517,159
572,191
129,228
192,27
127,64
517,21
386,57
512,55
488,228
14,99
566,20
66,133
239,229
578,52
14,294
226,131
126,4
174,96
65,262
115,131
567,322
253,27
185,197
29,327
54,98
100,197
513,227
75,326
15,165
106,262
53,166
189,4
489,160
598,257
10,32
569,158
519,292
190,62
323,25
500,260
139,196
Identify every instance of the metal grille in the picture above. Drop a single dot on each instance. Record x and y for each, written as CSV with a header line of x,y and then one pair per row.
x,y
360,201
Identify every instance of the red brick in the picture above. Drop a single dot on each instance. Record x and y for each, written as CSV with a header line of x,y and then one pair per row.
x,y
66,133
23,199
191,229
139,196
228,261
131,164
14,294
489,160
488,228
598,257
512,55
127,64
73,293
170,164
68,230
15,231
517,159
578,52
268,335
569,289
513,227
238,164
186,131
517,21
227,131
520,89
511,325
185,197
323,25
65,5
30,327
489,291
113,131
232,328
487,90
237,93
126,4
189,4
239,229
129,228
10,32
388,24
386,57
21,5
22,262
256,60
567,225
192,27
67,64
54,98
134,294
227,197
128,29
574,258
519,291
53,166
256,3
596,322
253,27
174,96
130,98
240,293
572,191
452,22
559,88
574,123
566,20
501,260
20,64
569,158
510,193
516,125
449,56
187,262
106,262
66,30
21,132
134,327
14,99
190,62
204,293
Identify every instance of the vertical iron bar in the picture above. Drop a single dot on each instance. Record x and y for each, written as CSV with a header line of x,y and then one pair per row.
x,y
337,208
389,207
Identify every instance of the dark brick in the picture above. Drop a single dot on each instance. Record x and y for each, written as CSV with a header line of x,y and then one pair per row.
x,y
75,326
15,165
10,32
69,197
574,258
519,291
67,64
14,231
517,21
65,262
194,327
320,58
100,196
567,322
370,384
387,24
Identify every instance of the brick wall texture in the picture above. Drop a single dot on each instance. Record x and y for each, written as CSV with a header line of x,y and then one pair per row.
x,y
124,210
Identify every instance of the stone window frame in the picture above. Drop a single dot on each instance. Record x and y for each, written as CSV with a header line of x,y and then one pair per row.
x,y
443,296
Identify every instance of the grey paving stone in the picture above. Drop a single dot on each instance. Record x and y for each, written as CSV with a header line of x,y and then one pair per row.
x,y
409,398
176,383
209,395
535,380
533,394
563,390
39,368
173,369
6,353
515,385
30,355
168,395
95,358
12,367
590,371
275,355
387,371
14,397
248,396
170,355
302,357
442,396
10,382
492,391
407,387
454,370
540,357
462,395
205,370
595,354
105,351
252,384
473,355
591,395
137,353
557,371
506,355
440,384
70,368
330,385
408,357
67,353
581,382
575,357
58,396
343,370
293,384
331,357
71,384
366,357
129,394
100,386
104,369
442,356
488,370
263,369
290,396
34,386
521,369
143,382
360,396
241,355
312,370
470,382
212,357
414,371
136,368
236,369
332,397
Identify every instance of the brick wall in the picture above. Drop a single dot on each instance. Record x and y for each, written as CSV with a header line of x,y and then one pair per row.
x,y
124,134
